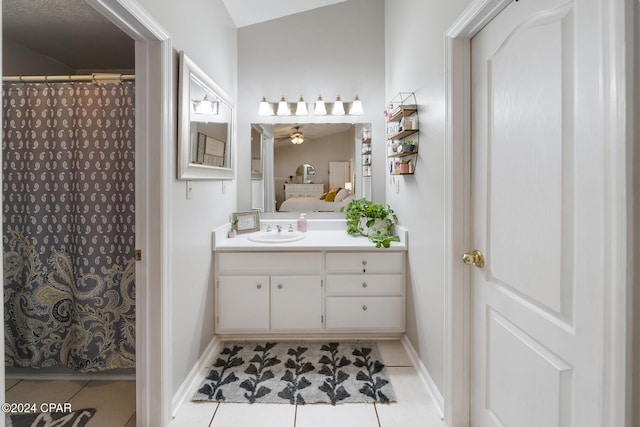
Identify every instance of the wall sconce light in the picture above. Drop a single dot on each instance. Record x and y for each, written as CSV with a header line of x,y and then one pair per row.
x,y
338,107
348,186
321,109
301,108
205,106
265,108
283,108
356,107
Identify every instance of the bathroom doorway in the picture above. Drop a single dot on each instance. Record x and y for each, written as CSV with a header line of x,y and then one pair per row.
x,y
74,331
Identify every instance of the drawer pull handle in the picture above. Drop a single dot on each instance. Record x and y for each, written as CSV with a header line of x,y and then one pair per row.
x,y
279,285
364,285
364,308
259,286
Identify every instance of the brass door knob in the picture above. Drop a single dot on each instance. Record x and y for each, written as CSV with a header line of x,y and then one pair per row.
x,y
474,258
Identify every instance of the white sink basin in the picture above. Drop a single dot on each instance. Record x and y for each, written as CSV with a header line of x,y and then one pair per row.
x,y
276,236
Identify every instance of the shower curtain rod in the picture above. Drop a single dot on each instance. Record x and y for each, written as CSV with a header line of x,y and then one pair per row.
x,y
69,78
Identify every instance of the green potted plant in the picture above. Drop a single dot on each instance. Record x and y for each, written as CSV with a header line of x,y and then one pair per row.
x,y
408,146
374,221
233,232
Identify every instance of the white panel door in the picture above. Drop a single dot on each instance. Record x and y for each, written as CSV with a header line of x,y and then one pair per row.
x,y
339,174
537,212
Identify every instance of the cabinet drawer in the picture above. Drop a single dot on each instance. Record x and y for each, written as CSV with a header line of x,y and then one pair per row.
x,y
365,262
270,263
365,313
365,285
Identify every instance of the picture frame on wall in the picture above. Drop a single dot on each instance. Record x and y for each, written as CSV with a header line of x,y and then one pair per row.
x,y
210,151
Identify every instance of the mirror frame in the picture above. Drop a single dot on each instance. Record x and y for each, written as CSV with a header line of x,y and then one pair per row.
x,y
187,170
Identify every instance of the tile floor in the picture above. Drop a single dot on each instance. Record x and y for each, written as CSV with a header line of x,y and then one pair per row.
x,y
115,401
414,407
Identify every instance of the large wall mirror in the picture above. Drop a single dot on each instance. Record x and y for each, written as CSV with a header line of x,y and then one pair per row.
x,y
301,163
205,126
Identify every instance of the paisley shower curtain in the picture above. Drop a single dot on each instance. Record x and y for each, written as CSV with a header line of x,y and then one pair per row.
x,y
68,225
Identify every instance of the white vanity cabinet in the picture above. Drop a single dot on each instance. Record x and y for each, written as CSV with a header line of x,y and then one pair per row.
x,y
269,292
365,292
310,293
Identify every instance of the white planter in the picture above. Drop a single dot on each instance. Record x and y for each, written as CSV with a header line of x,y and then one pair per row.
x,y
380,227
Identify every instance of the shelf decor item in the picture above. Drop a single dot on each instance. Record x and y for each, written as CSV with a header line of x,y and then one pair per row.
x,y
374,221
402,133
405,166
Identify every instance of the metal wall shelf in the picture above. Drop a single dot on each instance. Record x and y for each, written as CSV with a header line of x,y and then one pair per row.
x,y
402,122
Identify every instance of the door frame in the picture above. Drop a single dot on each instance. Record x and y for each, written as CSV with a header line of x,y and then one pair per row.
x,y
155,130
614,34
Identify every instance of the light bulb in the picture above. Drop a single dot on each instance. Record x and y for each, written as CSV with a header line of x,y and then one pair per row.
x,y
356,107
265,108
301,108
320,109
283,108
338,107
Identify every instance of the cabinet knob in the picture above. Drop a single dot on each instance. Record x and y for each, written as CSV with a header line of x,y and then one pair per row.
x,y
364,262
364,284
279,285
364,308
259,286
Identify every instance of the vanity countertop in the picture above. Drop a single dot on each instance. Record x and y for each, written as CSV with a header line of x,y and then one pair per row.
x,y
314,240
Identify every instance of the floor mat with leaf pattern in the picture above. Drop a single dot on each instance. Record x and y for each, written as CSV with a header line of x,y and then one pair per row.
x,y
297,373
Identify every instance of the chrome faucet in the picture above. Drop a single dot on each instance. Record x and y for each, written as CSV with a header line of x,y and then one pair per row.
x,y
279,227
290,228
268,228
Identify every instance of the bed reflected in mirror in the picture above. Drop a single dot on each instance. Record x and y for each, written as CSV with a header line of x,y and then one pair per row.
x,y
309,167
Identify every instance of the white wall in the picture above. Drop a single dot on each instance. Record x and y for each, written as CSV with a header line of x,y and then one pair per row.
x,y
330,51
205,31
416,64
339,147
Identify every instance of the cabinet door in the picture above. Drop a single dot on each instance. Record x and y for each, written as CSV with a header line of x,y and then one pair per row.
x,y
296,302
243,303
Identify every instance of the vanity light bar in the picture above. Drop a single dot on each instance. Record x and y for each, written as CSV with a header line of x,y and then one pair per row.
x,y
284,108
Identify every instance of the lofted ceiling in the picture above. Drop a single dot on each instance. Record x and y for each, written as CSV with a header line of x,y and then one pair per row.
x,y
69,31
75,34
249,12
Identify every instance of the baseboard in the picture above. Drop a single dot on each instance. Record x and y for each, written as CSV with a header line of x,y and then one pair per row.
x,y
424,375
195,375
64,374
348,336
